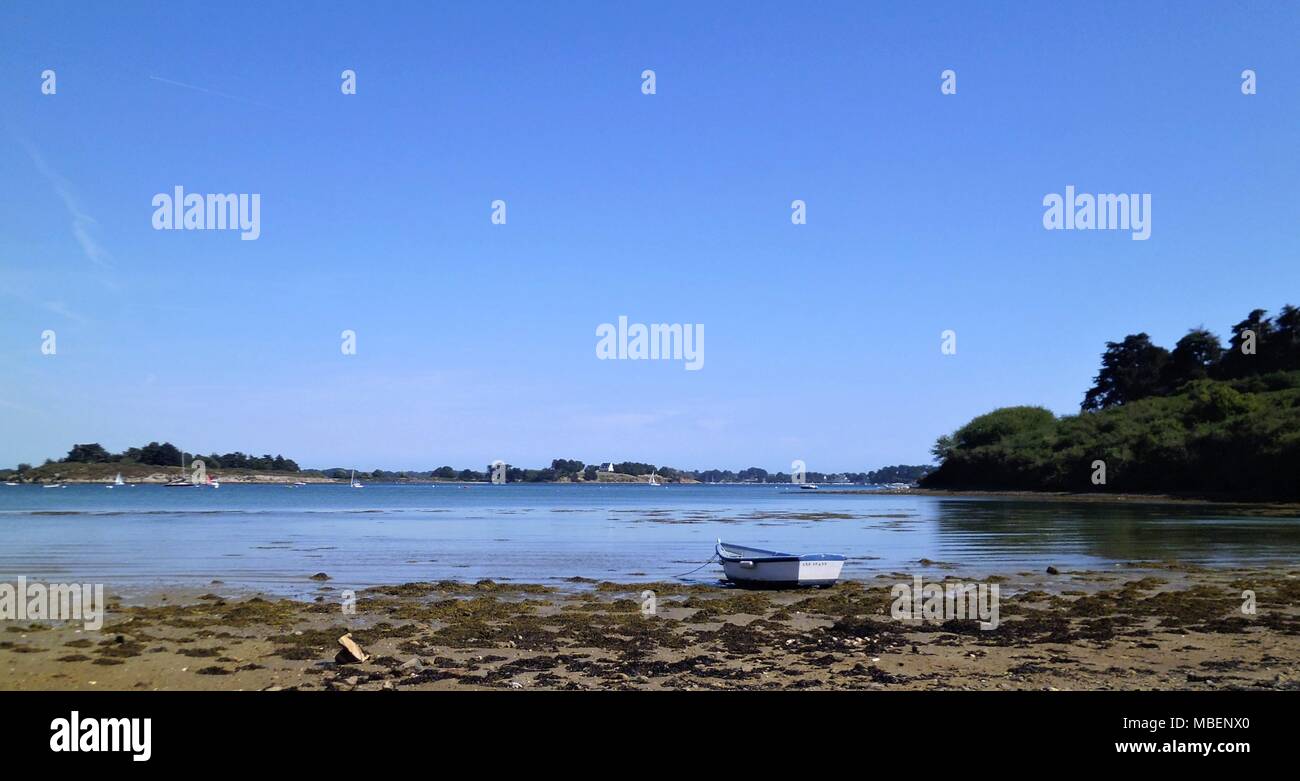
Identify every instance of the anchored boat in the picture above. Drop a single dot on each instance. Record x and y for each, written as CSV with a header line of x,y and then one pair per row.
x,y
758,568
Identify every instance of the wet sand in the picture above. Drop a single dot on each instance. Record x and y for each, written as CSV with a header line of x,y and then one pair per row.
x,y
1138,626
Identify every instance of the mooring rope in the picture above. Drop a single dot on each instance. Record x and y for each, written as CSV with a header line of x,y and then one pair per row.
x,y
697,569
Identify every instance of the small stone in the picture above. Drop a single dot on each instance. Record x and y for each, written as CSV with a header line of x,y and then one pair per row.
x,y
1053,571
320,576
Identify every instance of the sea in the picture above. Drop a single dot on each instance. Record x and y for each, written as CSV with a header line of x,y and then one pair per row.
x,y
274,538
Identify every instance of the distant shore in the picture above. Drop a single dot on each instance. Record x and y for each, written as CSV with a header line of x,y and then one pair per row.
x,y
74,473
1142,626
103,474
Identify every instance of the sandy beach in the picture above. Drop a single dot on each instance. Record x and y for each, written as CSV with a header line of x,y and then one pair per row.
x,y
1138,626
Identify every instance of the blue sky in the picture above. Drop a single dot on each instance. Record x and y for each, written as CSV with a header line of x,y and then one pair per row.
x,y
477,341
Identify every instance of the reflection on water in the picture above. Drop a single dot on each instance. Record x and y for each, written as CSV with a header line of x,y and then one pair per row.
x,y
1004,530
274,537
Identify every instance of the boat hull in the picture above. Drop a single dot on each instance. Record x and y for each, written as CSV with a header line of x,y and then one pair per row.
x,y
783,574
758,568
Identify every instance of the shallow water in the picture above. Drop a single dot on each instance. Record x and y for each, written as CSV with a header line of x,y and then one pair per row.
x,y
272,538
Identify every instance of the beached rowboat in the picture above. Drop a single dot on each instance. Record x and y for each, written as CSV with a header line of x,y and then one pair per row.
x,y
758,568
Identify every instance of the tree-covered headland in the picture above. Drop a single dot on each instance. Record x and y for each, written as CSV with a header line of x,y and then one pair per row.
x,y
1200,419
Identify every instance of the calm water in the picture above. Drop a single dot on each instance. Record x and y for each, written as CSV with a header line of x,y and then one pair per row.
x,y
273,537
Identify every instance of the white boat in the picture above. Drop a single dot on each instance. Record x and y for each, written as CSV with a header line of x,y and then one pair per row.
x,y
117,481
808,486
758,568
54,485
654,479
352,480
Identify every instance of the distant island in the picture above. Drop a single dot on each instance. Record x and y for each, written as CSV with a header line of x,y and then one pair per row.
x,y
160,462
1198,420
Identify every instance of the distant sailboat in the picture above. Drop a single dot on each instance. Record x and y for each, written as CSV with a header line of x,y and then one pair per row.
x,y
352,480
654,480
180,482
117,481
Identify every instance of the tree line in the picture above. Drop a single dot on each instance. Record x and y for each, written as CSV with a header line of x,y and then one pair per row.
x,y
1199,419
167,454
573,470
1135,368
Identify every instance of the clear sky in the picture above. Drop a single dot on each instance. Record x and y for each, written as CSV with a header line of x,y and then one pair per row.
x,y
477,341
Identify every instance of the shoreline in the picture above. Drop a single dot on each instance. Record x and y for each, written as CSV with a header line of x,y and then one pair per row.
x,y
1139,626
284,478
1248,507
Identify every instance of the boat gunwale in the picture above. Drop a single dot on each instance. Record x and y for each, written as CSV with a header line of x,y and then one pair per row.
x,y
728,553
